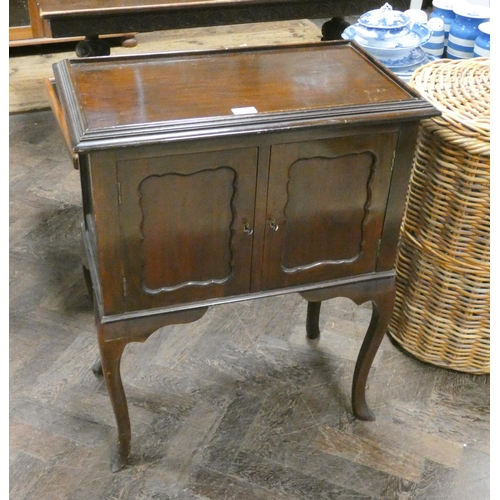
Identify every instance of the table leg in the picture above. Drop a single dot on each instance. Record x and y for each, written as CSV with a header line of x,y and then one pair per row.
x,y
92,46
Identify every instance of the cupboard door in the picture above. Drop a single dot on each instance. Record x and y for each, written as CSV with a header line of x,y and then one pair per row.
x,y
326,206
186,225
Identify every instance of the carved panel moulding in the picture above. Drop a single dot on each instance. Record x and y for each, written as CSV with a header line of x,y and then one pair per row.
x,y
320,198
163,241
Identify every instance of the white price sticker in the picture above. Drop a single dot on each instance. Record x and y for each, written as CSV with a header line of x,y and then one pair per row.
x,y
244,111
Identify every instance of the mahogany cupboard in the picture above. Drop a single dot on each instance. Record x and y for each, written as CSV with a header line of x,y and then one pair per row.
x,y
211,177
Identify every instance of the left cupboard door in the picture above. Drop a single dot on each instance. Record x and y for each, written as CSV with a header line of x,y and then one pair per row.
x,y
186,225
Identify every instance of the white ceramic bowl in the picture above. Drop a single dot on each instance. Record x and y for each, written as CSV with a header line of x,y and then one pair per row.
x,y
415,37
379,37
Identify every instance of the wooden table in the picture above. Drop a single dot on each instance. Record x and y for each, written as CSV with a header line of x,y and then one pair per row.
x,y
99,17
221,176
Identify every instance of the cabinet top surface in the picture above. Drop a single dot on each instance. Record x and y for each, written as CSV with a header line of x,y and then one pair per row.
x,y
229,88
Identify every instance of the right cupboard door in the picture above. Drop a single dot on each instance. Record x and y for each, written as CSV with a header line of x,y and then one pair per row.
x,y
326,205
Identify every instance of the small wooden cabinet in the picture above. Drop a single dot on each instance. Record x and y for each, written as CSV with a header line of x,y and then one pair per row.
x,y
211,177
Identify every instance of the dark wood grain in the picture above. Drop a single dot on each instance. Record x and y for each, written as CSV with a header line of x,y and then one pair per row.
x,y
290,81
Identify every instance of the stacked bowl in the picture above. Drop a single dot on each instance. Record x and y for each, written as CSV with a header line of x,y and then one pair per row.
x,y
393,38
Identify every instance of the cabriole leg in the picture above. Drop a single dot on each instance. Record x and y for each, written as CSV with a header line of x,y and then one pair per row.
x,y
111,354
381,291
382,309
113,337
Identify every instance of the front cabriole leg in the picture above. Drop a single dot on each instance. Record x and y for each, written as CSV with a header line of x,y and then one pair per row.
x,y
113,337
111,354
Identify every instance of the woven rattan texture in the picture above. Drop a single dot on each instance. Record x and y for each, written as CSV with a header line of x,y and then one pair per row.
x,y
442,310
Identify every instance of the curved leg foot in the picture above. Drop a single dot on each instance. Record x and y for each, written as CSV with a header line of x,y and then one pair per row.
x,y
128,41
382,309
97,368
120,458
92,46
111,353
312,321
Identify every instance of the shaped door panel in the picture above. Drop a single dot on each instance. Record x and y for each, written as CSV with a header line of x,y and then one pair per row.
x,y
326,206
185,224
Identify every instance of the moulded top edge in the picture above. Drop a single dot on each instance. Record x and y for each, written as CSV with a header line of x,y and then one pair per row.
x,y
227,88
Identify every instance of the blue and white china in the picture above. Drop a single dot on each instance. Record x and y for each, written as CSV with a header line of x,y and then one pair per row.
x,y
482,42
444,10
416,15
384,18
465,29
405,73
416,36
415,56
378,37
393,48
435,45
393,37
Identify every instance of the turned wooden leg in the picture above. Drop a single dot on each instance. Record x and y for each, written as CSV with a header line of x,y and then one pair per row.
x,y
128,41
111,354
92,46
382,309
312,321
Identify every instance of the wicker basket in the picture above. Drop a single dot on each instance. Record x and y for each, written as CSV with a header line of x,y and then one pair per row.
x,y
442,310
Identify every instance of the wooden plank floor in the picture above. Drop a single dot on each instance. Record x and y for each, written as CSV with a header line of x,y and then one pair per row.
x,y
235,406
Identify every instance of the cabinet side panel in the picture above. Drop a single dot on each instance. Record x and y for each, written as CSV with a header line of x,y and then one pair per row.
x,y
400,181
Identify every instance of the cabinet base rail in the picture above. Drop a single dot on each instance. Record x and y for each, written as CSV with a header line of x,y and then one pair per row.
x,y
114,336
